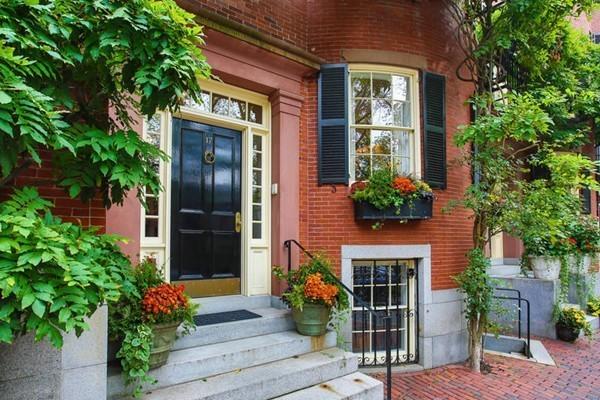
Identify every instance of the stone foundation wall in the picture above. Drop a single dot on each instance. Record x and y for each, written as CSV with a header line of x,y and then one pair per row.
x,y
38,371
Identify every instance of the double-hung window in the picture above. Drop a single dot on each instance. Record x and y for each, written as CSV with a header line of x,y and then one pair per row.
x,y
383,121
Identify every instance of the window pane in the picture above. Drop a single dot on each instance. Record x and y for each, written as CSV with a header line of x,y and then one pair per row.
x,y
237,109
401,143
402,114
256,160
220,104
362,168
382,112
151,227
400,88
202,105
152,204
256,230
361,84
381,142
254,113
256,177
382,86
256,213
362,112
381,163
257,143
154,138
362,141
154,123
402,166
256,195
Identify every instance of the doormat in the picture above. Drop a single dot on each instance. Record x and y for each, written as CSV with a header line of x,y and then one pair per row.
x,y
219,318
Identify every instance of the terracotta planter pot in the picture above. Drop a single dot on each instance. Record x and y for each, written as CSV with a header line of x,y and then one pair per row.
x,y
566,333
312,319
545,268
164,337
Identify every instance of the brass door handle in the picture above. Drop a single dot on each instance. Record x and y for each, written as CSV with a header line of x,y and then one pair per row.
x,y
238,222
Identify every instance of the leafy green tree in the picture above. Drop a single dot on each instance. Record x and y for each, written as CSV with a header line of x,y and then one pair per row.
x,y
63,65
533,97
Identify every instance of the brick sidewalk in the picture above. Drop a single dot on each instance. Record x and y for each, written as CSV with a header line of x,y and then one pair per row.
x,y
576,377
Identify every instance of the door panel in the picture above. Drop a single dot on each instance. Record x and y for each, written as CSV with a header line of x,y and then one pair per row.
x,y
206,195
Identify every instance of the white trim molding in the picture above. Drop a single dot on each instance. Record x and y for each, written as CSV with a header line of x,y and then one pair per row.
x,y
256,249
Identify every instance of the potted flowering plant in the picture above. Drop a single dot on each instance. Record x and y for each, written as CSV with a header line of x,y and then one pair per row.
x,y
143,324
585,236
164,308
312,293
385,196
570,322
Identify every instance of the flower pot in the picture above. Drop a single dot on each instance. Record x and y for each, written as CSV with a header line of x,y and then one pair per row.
x,y
546,268
566,333
574,268
420,208
164,336
312,320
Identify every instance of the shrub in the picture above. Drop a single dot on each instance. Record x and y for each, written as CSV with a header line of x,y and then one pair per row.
x,y
53,275
575,319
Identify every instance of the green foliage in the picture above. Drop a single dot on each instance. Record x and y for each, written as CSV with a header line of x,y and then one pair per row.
x,y
575,319
593,306
134,355
131,327
476,284
382,192
62,63
585,233
294,295
53,275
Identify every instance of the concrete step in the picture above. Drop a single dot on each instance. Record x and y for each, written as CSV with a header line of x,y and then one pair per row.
x,y
209,305
265,381
273,320
356,386
205,361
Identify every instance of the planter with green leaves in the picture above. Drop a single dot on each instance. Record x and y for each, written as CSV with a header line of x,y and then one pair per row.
x,y
388,197
145,323
569,324
312,294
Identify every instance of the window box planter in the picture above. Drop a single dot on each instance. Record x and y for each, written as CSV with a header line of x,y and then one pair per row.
x,y
421,208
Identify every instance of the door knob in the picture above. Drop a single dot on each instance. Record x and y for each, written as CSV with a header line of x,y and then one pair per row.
x,y
238,222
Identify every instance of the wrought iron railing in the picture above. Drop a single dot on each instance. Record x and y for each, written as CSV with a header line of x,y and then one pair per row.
x,y
519,299
376,314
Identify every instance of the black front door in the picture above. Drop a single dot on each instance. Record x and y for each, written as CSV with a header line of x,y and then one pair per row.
x,y
205,208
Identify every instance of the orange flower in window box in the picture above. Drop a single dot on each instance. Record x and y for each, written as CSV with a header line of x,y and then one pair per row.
x,y
404,185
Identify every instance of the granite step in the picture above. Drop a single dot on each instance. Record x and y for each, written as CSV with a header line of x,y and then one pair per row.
x,y
205,361
272,320
356,386
266,381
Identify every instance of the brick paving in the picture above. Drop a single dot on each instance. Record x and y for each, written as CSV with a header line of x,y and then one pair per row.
x,y
576,377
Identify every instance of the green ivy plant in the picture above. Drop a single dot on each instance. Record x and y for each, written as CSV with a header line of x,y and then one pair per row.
x,y
53,275
64,62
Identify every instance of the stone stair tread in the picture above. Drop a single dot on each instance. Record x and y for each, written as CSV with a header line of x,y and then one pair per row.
x,y
205,361
264,381
272,320
355,386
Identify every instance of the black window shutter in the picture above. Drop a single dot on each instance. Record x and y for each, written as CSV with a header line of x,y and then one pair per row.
x,y
333,124
585,195
434,107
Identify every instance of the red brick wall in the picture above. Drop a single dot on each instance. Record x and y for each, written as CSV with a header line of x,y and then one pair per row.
x,y
281,19
420,28
72,210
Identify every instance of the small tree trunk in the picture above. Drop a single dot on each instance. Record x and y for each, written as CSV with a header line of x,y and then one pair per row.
x,y
475,348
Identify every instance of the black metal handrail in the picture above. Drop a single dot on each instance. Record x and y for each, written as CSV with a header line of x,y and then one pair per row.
x,y
519,301
385,317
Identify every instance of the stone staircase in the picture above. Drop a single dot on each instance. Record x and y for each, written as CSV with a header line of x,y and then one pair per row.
x,y
255,359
